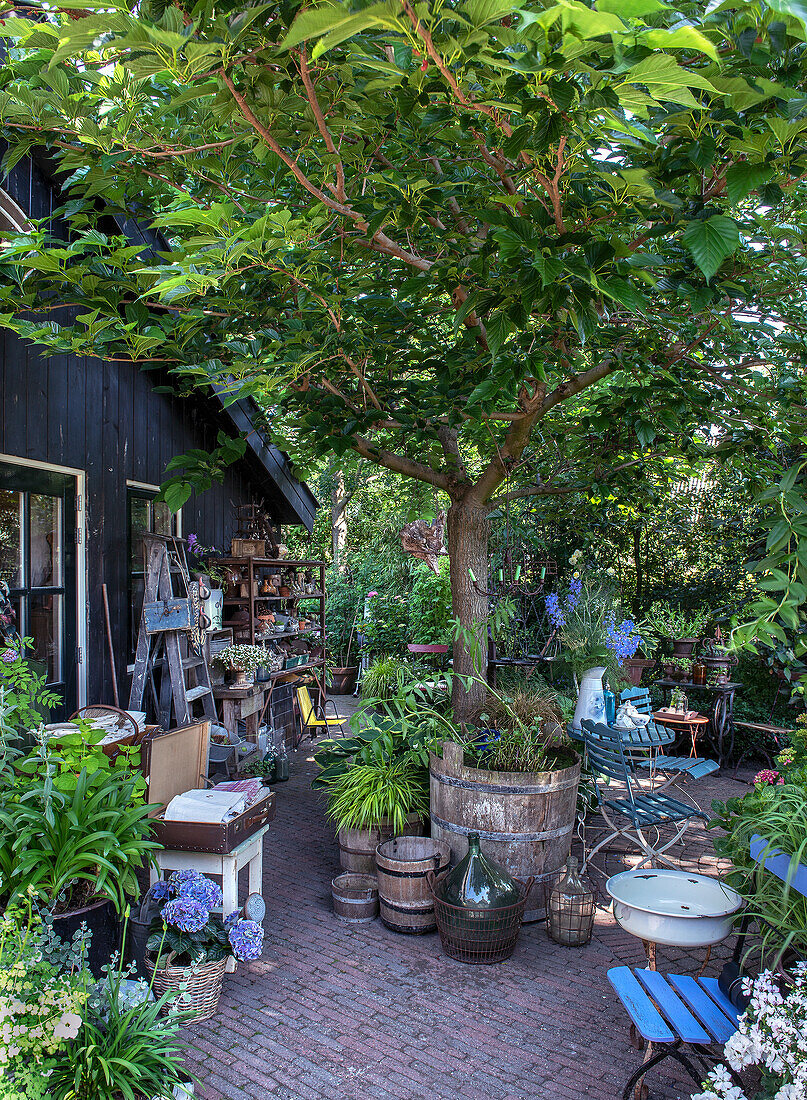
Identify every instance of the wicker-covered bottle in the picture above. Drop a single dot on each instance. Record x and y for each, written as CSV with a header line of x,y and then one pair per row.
x,y
571,908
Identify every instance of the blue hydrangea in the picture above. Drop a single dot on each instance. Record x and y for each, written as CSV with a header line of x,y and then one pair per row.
x,y
232,919
246,939
193,884
186,914
161,891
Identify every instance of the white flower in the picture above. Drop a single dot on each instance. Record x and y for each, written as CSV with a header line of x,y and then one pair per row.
x,y
68,1026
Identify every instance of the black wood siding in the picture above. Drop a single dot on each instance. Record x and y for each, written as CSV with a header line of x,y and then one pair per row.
x,y
106,420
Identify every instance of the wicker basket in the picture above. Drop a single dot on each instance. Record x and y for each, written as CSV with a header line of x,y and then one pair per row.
x,y
478,935
198,988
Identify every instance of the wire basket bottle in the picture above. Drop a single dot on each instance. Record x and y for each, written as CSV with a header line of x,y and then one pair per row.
x,y
571,908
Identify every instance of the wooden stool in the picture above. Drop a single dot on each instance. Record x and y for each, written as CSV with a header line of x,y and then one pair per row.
x,y
225,865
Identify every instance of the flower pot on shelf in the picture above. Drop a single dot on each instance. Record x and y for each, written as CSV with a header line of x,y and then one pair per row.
x,y
343,680
634,667
683,647
197,988
240,676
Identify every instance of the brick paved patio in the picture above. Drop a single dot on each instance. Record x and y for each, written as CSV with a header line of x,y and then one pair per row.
x,y
334,1011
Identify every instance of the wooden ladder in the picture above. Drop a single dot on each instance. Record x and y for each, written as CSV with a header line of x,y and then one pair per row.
x,y
163,643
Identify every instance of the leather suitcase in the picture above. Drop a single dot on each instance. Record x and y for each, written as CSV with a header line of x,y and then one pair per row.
x,y
177,761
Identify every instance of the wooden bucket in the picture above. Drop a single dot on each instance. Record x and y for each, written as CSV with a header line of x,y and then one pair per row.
x,y
525,820
355,898
405,900
357,846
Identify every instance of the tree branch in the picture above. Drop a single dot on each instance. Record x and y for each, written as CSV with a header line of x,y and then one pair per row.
x,y
400,464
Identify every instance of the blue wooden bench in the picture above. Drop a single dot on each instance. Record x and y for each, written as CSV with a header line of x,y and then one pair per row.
x,y
681,1016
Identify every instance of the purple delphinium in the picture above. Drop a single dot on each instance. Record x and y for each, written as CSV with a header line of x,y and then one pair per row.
x,y
246,939
186,914
193,542
554,610
623,639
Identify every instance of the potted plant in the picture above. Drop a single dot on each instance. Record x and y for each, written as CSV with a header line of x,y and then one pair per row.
x,y
211,573
716,657
682,628
189,945
75,839
241,659
341,615
377,780
383,679
680,668
594,641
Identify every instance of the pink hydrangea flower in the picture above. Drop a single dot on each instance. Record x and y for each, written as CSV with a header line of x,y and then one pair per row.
x,y
767,775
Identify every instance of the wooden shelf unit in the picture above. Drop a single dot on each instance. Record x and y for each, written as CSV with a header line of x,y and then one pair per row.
x,y
255,569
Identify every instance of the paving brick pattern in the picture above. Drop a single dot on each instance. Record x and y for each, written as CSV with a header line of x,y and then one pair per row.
x,y
333,1011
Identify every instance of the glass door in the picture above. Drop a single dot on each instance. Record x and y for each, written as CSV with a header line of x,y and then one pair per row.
x,y
38,562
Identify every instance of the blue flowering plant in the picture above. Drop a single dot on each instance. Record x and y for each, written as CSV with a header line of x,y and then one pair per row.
x,y
591,629
186,931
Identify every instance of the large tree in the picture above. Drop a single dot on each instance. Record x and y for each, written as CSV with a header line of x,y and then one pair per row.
x,y
500,247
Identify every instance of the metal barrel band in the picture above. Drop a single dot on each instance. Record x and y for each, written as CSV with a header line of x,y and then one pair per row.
x,y
498,788
403,874
409,910
515,838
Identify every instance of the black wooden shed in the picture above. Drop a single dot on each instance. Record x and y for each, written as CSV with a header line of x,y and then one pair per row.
x,y
83,448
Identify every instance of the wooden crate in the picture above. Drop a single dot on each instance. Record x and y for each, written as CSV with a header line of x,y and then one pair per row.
x,y
249,548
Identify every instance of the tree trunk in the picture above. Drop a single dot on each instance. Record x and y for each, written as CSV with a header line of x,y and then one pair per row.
x,y
468,552
339,501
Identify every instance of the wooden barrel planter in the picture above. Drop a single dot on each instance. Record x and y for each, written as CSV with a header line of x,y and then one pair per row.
x,y
357,846
355,898
402,864
524,819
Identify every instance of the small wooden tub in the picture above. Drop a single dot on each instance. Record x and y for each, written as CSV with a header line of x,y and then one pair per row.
x,y
355,898
402,864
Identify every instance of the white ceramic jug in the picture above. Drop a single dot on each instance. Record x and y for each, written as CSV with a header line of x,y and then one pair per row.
x,y
590,699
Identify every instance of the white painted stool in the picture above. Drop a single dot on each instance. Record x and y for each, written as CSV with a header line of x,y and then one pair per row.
x,y
226,865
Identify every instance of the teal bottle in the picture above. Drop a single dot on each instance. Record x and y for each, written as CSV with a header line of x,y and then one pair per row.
x,y
478,882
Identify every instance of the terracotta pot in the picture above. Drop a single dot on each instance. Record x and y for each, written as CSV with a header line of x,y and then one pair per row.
x,y
343,680
633,667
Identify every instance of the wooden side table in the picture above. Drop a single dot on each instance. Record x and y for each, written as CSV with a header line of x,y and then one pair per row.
x,y
241,701
692,724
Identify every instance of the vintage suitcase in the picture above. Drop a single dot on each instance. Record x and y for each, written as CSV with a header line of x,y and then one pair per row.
x,y
248,548
177,761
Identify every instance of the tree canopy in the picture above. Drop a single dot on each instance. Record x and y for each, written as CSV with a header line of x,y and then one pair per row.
x,y
499,246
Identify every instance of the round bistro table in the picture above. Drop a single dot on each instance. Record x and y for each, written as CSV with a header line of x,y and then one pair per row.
x,y
691,724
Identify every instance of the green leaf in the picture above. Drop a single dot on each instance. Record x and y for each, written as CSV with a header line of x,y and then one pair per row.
x,y
687,38
743,178
796,8
711,241
630,9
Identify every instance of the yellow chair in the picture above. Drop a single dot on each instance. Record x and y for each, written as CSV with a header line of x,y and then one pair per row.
x,y
311,721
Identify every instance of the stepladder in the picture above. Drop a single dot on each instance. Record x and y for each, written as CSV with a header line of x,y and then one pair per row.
x,y
170,675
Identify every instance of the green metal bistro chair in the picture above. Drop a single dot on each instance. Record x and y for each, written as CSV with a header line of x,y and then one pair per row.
x,y
629,811
654,737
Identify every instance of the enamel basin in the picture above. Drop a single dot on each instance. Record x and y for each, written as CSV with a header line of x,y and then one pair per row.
x,y
676,908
